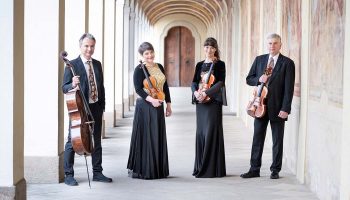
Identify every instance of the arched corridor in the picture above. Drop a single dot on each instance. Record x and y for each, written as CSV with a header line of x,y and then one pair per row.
x,y
34,120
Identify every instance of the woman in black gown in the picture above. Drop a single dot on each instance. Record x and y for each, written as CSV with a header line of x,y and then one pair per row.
x,y
148,157
210,150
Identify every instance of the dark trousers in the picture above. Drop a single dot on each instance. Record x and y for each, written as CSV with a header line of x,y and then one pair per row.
x,y
277,128
96,155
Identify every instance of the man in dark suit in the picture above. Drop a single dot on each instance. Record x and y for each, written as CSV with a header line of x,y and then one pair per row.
x,y
279,99
90,76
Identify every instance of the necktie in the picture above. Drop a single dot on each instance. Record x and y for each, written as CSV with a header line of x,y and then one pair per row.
x,y
271,63
93,92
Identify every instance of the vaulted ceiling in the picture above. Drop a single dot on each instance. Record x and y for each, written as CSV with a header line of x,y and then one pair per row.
x,y
204,10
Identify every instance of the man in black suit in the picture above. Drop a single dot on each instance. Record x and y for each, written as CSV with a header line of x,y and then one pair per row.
x,y
93,90
279,99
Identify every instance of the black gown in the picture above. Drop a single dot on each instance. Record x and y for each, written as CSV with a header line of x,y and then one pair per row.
x,y
148,156
210,149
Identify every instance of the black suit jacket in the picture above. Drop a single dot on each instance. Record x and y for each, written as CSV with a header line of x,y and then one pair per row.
x,y
79,69
280,86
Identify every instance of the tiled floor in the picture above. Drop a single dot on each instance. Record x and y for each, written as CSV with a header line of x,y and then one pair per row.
x,y
180,185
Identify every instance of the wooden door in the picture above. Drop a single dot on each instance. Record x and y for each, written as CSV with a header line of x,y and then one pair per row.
x,y
179,56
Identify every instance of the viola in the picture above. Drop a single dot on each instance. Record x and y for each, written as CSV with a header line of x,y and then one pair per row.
x,y
207,81
150,83
82,121
257,106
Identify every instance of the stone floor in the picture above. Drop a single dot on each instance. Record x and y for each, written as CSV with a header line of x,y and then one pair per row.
x,y
181,184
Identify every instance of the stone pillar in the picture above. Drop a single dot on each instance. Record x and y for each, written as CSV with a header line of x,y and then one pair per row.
x,y
345,152
12,182
305,12
108,58
95,27
119,59
75,25
43,97
126,64
131,56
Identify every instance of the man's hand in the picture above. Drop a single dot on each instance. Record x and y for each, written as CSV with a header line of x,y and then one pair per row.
x,y
283,114
75,81
263,78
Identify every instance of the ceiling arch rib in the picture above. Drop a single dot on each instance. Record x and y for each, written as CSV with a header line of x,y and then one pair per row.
x,y
161,15
184,9
156,5
206,10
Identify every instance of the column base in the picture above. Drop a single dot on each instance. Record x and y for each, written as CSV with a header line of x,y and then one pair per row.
x,y
18,191
126,107
50,169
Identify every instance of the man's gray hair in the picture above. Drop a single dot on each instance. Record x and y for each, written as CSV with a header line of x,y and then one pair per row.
x,y
86,35
274,35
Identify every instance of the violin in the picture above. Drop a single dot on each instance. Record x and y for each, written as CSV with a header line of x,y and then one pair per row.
x,y
150,84
82,121
257,106
207,81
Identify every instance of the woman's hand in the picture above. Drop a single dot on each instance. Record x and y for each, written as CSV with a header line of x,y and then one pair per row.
x,y
155,102
200,96
168,110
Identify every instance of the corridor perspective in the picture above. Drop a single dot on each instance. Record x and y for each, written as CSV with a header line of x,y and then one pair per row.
x,y
315,34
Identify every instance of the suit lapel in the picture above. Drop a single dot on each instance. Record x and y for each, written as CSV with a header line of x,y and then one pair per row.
x,y
277,68
265,60
82,72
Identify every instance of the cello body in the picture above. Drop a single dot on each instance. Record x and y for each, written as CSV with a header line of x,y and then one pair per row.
x,y
81,119
81,135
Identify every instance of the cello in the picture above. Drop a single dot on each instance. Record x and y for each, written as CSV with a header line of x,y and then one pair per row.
x,y
207,81
82,121
257,106
150,84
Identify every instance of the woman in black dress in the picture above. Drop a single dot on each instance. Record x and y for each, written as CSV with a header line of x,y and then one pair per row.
x,y
148,157
210,150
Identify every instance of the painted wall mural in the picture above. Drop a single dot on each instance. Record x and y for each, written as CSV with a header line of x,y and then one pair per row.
x,y
269,20
291,36
327,51
255,30
244,38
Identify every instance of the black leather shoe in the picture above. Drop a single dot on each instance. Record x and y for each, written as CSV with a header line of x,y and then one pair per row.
x,y
274,175
98,176
70,180
250,174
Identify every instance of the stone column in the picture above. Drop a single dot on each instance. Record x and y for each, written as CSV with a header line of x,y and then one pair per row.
x,y
126,53
345,152
119,59
108,58
44,104
12,182
131,56
305,62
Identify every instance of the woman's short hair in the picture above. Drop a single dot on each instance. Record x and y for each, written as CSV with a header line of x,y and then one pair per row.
x,y
144,47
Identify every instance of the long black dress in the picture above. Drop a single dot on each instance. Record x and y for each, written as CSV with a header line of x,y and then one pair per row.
x,y
148,157
210,150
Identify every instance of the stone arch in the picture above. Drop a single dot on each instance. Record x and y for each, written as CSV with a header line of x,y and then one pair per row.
x,y
195,34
